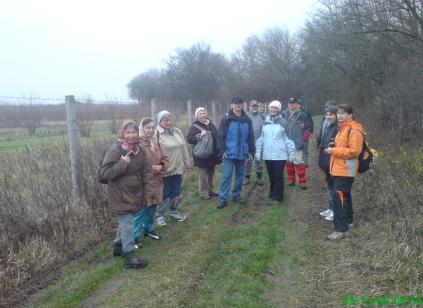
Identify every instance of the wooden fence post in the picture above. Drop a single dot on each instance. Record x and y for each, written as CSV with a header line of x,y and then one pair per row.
x,y
74,146
214,115
189,106
153,108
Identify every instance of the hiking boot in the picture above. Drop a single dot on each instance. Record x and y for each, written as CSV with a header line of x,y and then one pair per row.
x,y
222,205
153,235
177,216
291,183
325,213
239,200
329,217
117,249
160,221
303,186
335,236
213,194
246,181
260,182
132,261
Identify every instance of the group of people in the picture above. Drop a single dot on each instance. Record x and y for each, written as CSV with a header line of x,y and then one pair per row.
x,y
145,167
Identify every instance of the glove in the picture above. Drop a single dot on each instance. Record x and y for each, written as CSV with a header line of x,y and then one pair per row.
x,y
250,157
257,156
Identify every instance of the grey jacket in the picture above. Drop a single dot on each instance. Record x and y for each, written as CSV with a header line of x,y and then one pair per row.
x,y
257,120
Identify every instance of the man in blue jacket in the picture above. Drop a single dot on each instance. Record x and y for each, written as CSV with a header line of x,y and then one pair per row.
x,y
235,143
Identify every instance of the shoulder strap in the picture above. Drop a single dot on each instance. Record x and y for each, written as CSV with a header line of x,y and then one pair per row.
x,y
198,126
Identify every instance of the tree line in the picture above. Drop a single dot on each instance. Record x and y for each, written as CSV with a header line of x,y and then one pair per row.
x,y
368,53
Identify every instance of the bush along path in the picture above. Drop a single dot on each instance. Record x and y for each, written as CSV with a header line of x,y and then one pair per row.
x,y
243,256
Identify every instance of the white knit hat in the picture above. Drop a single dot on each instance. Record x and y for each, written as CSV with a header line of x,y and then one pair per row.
x,y
198,110
276,104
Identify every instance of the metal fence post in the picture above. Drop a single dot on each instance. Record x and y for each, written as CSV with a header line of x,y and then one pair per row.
x,y
214,115
153,108
74,146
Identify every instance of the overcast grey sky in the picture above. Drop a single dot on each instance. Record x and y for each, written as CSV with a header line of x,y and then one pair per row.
x,y
52,48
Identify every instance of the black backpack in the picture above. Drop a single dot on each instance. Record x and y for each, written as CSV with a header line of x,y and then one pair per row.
x,y
365,159
101,179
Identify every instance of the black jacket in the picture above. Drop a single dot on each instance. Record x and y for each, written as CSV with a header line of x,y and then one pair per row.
x,y
323,141
192,139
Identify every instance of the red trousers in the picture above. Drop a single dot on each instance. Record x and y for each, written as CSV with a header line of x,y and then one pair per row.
x,y
301,172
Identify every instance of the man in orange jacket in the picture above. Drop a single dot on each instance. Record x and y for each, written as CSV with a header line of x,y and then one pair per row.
x,y
343,167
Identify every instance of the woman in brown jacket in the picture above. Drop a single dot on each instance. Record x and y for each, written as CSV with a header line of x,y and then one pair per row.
x,y
130,187
159,160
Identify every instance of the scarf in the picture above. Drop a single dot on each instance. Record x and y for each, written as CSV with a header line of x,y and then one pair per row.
x,y
148,140
130,148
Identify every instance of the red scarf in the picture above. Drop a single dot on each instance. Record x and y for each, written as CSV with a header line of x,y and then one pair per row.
x,y
128,147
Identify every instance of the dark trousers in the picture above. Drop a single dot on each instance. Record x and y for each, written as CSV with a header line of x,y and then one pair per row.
x,y
329,182
275,170
342,203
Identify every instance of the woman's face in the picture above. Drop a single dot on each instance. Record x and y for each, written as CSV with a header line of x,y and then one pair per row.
x,y
274,110
342,115
131,134
202,116
149,129
330,117
166,122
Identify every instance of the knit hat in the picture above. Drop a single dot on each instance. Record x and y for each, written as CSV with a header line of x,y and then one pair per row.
x,y
331,109
237,99
329,103
276,104
253,103
198,110
162,114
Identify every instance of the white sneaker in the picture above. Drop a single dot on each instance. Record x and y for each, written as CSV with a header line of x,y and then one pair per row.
x,y
160,222
329,216
178,216
325,212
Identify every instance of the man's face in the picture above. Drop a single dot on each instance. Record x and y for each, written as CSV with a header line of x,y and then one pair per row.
x,y
238,106
261,107
292,106
330,117
254,108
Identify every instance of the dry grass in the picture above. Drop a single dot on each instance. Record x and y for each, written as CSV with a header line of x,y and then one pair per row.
x,y
41,227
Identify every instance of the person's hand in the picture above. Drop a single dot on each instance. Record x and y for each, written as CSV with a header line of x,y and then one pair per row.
x,y
203,132
250,157
328,150
188,170
257,156
224,156
126,158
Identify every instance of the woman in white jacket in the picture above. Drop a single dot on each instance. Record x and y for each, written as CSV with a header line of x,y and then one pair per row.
x,y
275,148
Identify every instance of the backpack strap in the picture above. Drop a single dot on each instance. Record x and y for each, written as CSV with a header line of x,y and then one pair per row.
x,y
199,127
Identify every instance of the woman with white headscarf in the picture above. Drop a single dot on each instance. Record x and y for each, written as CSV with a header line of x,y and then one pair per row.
x,y
206,166
173,141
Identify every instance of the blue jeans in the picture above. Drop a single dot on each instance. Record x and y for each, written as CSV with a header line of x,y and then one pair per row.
x,y
144,220
172,186
228,166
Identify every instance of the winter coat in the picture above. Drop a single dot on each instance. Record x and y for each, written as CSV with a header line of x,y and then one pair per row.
x,y
257,120
176,147
157,157
273,143
193,138
348,143
235,136
298,127
327,133
309,120
130,185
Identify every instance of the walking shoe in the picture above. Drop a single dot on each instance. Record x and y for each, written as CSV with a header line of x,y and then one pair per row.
x,y
246,181
117,249
153,235
213,194
222,205
178,216
205,197
160,221
239,200
259,181
351,225
303,186
132,261
335,236
329,216
291,183
325,213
